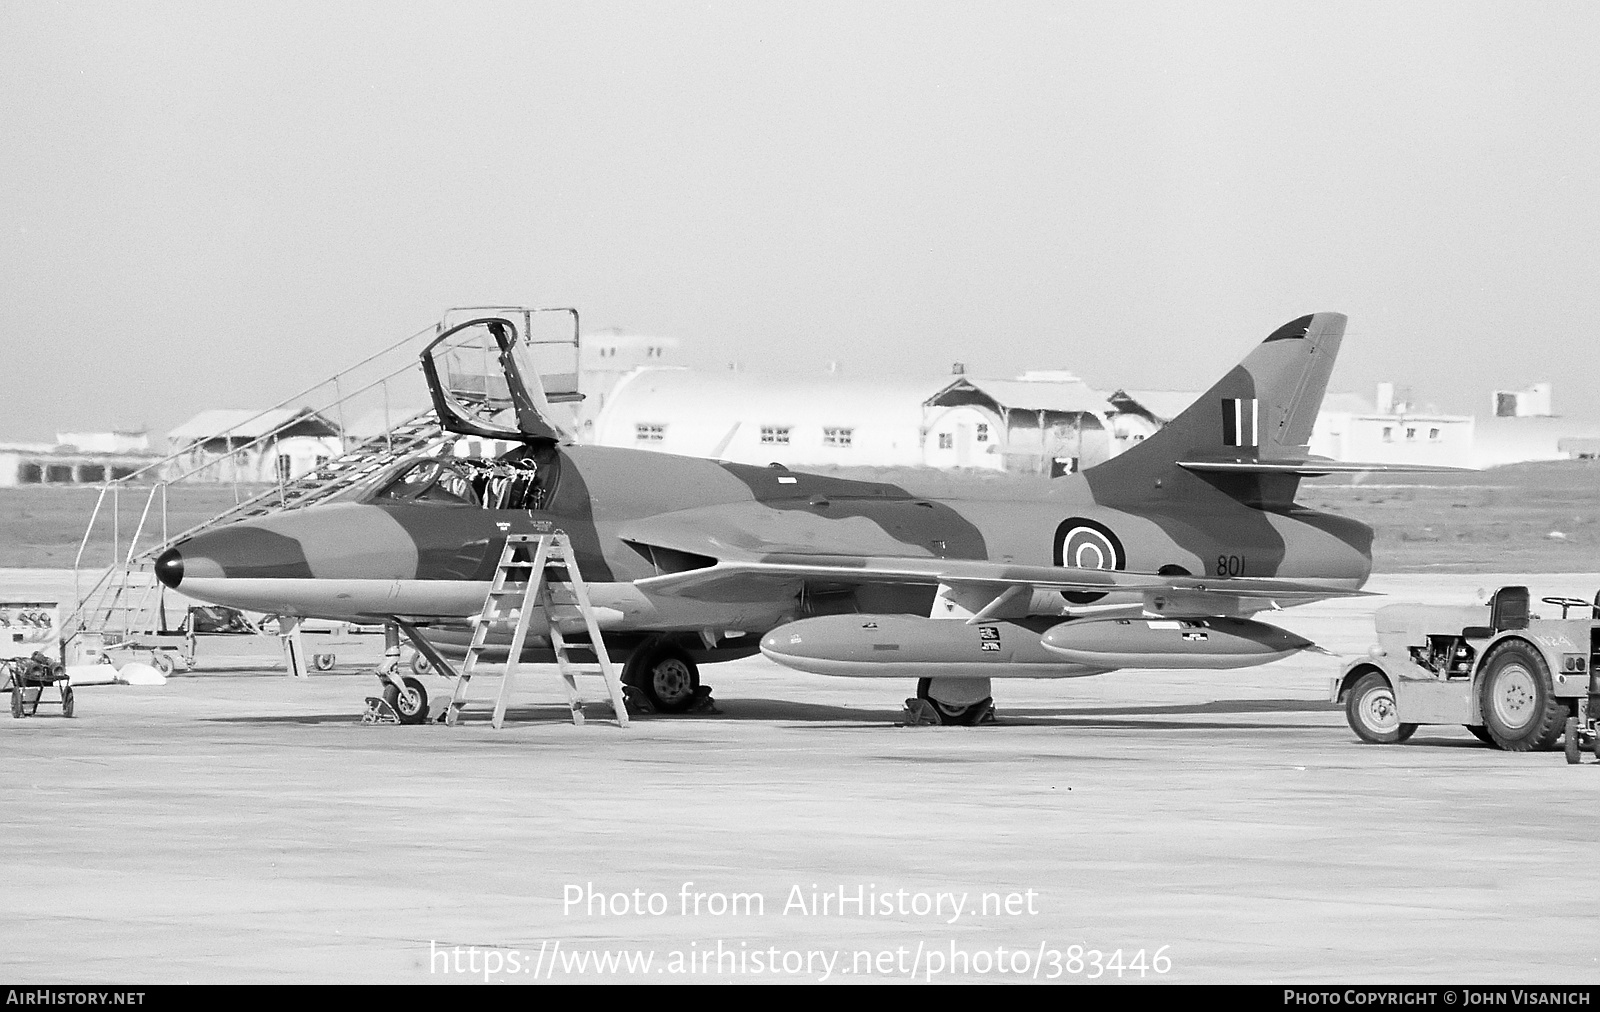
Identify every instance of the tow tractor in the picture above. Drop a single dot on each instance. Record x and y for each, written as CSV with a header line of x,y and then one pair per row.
x,y
1516,680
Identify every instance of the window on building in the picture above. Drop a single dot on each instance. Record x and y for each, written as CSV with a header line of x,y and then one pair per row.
x,y
1434,434
777,435
646,432
983,432
946,440
1411,433
838,437
1388,434
285,466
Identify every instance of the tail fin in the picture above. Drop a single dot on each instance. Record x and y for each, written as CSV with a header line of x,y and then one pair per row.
x,y
1261,412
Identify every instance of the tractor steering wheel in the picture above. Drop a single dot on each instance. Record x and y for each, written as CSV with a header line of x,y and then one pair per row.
x,y
1565,603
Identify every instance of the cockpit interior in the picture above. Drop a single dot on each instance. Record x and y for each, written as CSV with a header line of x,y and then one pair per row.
x,y
506,483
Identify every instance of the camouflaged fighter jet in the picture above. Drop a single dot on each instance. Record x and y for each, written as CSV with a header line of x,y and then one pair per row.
x,y
1155,558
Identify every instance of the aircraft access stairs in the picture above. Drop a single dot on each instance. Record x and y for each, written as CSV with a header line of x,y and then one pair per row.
x,y
125,602
384,393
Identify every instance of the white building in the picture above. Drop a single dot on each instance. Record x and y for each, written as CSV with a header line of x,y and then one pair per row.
x,y
759,420
1138,414
1349,427
1044,422
76,458
252,446
1534,402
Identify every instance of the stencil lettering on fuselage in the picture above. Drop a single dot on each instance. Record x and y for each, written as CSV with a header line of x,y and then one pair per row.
x,y
1085,544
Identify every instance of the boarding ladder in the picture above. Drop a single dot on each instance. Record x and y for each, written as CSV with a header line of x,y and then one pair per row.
x,y
521,589
125,600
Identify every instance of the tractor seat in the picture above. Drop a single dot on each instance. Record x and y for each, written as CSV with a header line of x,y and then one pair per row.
x,y
1508,609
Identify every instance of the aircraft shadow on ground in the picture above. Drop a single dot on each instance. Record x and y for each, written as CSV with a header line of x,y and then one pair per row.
x,y
739,709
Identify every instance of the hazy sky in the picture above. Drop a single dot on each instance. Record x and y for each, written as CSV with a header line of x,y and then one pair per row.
x,y
212,205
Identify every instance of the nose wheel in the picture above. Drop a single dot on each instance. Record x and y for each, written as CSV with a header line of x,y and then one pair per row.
x,y
409,700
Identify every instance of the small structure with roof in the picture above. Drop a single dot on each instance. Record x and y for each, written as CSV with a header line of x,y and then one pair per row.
x,y
1044,422
76,458
215,445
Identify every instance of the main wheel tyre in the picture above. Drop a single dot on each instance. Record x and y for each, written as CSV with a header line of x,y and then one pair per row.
x,y
666,676
324,662
1574,754
16,702
968,715
163,662
420,665
1372,712
66,701
1479,732
411,706
1520,710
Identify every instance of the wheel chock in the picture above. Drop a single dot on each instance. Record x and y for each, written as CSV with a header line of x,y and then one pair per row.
x,y
702,702
920,713
379,712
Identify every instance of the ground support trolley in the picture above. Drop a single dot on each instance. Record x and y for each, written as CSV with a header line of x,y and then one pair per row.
x,y
27,679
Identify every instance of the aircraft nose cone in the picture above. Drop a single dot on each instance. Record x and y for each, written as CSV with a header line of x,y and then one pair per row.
x,y
169,568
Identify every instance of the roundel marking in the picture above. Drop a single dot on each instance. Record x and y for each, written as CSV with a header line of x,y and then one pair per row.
x,y
1086,544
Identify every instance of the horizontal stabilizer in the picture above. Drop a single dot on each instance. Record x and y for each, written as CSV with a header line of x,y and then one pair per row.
x,y
1310,467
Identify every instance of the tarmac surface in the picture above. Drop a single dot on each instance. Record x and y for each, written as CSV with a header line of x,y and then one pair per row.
x,y
243,827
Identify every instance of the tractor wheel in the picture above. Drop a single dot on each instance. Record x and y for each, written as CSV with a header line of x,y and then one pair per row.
x,y
420,665
162,662
66,701
16,702
1520,710
1372,712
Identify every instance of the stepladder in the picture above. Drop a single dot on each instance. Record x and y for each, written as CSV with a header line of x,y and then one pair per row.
x,y
537,580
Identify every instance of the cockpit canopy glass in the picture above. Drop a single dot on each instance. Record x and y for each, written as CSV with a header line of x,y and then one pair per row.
x,y
468,481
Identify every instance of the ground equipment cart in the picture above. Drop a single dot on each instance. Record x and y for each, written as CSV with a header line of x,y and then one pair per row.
x,y
26,679
1517,680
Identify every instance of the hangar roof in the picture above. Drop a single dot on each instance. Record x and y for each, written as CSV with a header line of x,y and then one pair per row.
x,y
1068,395
248,423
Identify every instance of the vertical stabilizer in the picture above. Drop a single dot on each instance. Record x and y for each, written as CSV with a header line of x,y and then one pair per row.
x,y
1261,411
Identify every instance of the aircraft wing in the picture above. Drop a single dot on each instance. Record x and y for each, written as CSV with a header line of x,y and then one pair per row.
x,y
730,579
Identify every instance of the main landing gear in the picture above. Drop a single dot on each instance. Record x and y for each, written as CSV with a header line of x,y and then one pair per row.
x,y
660,677
959,701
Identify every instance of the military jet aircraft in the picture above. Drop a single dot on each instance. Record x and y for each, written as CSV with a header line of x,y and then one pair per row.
x,y
1155,558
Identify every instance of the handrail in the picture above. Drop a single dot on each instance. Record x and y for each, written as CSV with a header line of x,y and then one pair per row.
x,y
128,478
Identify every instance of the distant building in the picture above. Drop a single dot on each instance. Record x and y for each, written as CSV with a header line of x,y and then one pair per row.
x,y
760,420
1391,431
1136,415
1516,439
1580,447
228,445
1534,402
1044,422
75,458
604,358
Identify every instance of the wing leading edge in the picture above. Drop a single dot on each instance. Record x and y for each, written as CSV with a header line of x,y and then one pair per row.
x,y
1168,594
